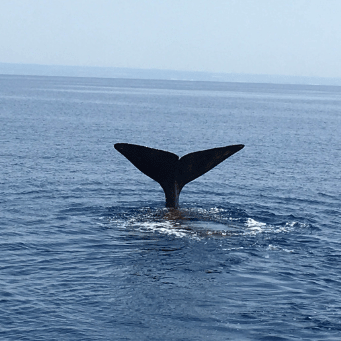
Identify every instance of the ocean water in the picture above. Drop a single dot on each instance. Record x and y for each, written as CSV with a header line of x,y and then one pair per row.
x,y
88,251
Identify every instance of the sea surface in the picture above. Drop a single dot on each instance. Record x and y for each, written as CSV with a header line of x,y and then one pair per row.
x,y
89,252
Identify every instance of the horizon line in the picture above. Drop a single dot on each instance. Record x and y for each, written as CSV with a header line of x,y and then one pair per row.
x,y
30,69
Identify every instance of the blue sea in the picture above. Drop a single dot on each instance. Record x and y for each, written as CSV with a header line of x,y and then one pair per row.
x,y
88,250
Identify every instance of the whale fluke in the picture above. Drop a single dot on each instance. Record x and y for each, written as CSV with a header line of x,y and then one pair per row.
x,y
171,172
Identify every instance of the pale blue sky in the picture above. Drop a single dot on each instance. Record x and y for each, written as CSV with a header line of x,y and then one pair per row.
x,y
283,37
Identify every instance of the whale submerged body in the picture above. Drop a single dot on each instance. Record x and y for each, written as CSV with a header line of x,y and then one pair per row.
x,y
172,172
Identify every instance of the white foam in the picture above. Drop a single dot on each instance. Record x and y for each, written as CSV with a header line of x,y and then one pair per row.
x,y
278,248
165,227
255,227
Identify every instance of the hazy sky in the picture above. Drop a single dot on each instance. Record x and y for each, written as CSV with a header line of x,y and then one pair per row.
x,y
283,37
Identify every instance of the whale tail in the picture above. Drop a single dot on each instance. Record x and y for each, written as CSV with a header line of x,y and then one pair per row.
x,y
172,172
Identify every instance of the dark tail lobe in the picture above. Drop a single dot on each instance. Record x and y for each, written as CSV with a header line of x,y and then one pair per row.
x,y
171,172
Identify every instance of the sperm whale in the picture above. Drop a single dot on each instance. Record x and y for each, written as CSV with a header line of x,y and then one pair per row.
x,y
172,172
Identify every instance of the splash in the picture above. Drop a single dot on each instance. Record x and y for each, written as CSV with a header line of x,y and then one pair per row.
x,y
198,223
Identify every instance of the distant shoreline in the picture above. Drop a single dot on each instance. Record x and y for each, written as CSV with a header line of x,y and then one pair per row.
x,y
131,73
